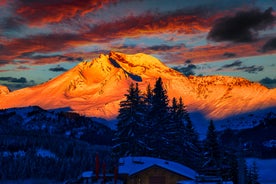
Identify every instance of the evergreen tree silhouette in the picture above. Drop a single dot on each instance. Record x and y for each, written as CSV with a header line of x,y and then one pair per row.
x,y
212,155
128,137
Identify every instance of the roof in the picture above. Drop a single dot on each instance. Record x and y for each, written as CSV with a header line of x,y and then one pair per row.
x,y
133,165
87,174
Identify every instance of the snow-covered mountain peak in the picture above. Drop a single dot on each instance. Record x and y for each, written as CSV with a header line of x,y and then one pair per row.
x,y
141,64
4,90
95,88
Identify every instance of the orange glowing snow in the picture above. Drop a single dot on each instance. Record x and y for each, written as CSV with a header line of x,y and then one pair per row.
x,y
95,88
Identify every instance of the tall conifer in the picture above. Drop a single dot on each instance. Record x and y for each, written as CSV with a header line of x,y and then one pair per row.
x,y
128,137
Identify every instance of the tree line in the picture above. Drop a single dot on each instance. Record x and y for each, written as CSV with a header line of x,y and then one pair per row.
x,y
149,125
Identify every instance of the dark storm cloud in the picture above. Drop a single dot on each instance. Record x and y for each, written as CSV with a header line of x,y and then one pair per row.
x,y
14,80
186,70
268,82
58,69
243,27
269,45
229,54
251,69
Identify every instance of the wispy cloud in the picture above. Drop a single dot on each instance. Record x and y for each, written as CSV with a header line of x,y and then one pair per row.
x,y
38,13
237,63
229,54
14,83
58,68
187,70
251,69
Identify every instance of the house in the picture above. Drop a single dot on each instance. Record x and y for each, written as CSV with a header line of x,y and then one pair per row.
x,y
148,170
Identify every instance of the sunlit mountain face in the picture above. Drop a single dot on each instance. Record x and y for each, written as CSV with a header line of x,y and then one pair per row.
x,y
95,88
39,40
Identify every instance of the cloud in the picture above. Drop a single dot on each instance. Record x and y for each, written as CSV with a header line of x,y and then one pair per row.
x,y
23,68
229,54
243,27
4,62
269,45
58,68
58,57
38,13
268,82
14,80
11,23
237,65
186,70
210,53
234,64
188,61
42,47
251,69
164,47
179,22
16,83
3,2
13,49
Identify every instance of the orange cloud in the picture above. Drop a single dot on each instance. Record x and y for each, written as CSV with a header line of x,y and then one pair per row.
x,y
209,53
3,2
152,24
147,25
43,12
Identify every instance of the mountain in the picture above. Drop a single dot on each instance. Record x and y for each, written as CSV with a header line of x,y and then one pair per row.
x,y
95,88
4,90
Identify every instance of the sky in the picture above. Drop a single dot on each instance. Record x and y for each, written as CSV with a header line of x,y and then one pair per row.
x,y
41,39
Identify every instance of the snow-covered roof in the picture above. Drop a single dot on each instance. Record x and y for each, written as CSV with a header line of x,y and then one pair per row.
x,y
133,165
87,174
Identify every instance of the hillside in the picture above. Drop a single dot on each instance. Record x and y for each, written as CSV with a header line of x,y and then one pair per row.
x,y
95,88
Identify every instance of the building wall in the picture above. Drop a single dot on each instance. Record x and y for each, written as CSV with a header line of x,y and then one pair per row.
x,y
155,175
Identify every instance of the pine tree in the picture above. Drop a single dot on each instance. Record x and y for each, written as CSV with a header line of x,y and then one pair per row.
x,y
147,124
128,137
193,152
159,120
230,170
242,166
252,174
212,155
160,100
175,133
182,112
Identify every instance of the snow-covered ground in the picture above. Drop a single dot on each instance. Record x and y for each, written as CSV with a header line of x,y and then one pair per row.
x,y
266,168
